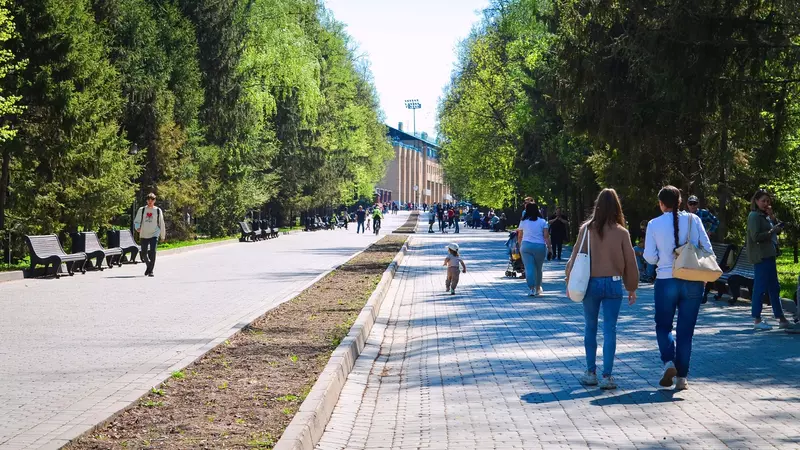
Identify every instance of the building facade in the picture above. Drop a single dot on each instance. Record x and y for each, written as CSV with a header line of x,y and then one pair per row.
x,y
414,175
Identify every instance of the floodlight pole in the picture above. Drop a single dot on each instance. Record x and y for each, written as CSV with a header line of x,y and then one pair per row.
x,y
414,105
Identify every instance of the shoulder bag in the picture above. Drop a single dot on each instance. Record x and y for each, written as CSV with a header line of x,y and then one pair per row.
x,y
581,270
694,263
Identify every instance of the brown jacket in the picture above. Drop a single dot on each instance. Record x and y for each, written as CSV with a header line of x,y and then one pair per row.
x,y
612,256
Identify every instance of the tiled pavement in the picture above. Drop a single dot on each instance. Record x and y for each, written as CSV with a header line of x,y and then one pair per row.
x,y
492,368
75,350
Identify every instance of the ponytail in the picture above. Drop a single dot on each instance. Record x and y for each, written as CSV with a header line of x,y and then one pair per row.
x,y
675,225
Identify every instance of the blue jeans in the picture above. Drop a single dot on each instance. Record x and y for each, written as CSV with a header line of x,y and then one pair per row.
x,y
685,296
605,292
457,229
360,226
766,280
533,258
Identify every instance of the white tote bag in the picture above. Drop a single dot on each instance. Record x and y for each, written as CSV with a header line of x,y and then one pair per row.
x,y
581,270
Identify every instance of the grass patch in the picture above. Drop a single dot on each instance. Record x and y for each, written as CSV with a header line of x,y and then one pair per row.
x,y
244,393
21,265
788,272
178,244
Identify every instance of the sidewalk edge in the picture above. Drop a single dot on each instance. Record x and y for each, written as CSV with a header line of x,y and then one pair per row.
x,y
306,428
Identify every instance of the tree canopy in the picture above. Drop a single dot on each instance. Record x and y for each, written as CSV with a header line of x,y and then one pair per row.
x,y
554,98
233,105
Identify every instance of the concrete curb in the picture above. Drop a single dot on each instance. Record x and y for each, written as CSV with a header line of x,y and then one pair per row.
x,y
307,426
11,276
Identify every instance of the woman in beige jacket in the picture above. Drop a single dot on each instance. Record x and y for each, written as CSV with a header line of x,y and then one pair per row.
x,y
614,269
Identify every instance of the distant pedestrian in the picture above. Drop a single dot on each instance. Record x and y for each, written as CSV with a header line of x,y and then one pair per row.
x,y
710,221
613,271
149,223
431,221
452,261
440,214
476,218
451,214
558,232
361,216
762,241
665,234
533,237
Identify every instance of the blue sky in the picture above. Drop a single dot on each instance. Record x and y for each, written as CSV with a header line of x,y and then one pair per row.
x,y
411,45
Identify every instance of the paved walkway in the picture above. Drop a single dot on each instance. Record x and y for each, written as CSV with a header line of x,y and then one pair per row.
x,y
493,368
75,350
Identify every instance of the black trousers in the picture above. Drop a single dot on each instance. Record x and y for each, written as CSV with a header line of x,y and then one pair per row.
x,y
558,243
149,252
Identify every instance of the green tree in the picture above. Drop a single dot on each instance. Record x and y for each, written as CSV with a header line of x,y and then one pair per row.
x,y
72,167
154,49
9,108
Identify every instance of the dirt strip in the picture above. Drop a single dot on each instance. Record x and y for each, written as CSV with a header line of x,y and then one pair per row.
x,y
245,392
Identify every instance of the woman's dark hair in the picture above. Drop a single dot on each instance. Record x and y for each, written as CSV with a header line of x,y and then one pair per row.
x,y
607,211
756,197
670,196
532,211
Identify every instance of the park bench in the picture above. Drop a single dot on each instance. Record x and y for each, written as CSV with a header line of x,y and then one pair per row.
x,y
741,275
723,253
269,231
124,240
46,250
88,242
247,233
258,231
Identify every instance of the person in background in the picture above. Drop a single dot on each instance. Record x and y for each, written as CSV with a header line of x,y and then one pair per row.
x,y
361,216
664,234
533,238
476,218
149,223
377,216
451,214
440,215
710,221
431,220
762,238
524,205
558,232
495,223
647,271
613,271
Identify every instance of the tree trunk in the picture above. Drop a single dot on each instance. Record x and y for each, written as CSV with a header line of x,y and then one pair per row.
x,y
722,186
4,183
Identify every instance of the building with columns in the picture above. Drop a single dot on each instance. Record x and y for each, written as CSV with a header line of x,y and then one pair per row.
x,y
414,175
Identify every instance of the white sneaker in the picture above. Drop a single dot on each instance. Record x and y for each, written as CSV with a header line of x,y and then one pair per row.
x,y
762,326
669,373
589,379
608,382
681,384
539,291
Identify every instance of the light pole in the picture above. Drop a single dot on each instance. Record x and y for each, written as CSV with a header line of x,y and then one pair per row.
x,y
414,105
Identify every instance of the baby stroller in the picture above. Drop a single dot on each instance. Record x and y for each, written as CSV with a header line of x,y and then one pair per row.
x,y
514,258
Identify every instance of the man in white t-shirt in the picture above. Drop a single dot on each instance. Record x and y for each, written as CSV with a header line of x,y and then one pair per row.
x,y
149,223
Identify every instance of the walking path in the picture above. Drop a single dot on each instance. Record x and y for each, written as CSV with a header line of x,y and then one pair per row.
x,y
74,351
493,368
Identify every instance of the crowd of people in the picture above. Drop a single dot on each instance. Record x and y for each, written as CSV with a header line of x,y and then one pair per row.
x,y
617,267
